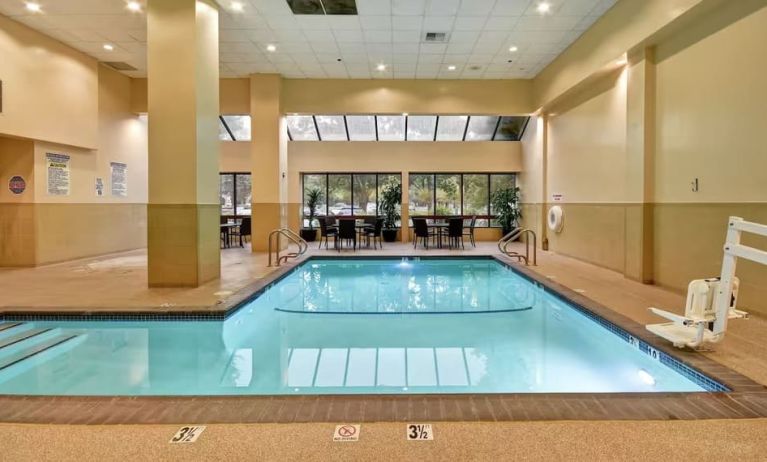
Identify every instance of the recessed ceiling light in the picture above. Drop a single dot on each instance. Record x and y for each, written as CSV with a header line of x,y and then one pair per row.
x,y
513,49
450,68
271,48
133,6
543,7
381,67
33,7
108,47
237,6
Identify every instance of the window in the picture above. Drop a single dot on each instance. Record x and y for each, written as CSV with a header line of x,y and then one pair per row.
x,y
391,128
347,194
439,195
451,128
481,128
302,128
398,128
421,128
234,128
235,194
332,128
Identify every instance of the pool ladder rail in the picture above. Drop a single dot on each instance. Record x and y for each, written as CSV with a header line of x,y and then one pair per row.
x,y
504,242
274,238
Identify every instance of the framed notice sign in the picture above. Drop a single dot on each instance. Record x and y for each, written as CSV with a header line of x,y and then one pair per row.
x,y
119,179
57,166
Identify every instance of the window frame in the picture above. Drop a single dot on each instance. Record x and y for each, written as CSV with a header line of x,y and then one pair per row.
x,y
234,193
229,131
488,216
326,212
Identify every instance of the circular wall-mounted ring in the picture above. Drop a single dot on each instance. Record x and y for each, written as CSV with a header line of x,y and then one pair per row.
x,y
556,218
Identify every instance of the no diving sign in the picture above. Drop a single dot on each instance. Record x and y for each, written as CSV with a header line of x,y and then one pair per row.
x,y
345,433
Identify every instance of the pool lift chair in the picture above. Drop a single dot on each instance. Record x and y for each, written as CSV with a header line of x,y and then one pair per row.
x,y
712,302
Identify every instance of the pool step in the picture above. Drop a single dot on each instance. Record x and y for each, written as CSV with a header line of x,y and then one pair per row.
x,y
29,334
9,325
36,349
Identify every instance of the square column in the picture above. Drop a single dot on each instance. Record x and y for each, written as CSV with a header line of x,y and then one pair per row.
x,y
183,211
269,157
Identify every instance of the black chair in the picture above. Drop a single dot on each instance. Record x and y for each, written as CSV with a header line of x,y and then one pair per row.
x,y
470,232
243,230
455,232
421,231
347,231
326,232
374,233
225,240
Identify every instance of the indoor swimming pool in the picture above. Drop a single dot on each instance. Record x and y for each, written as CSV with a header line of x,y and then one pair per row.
x,y
350,326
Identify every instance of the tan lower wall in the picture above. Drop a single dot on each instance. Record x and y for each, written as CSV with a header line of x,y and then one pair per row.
x,y
595,233
17,234
688,245
68,231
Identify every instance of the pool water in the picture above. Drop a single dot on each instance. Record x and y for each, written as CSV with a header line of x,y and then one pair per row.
x,y
348,326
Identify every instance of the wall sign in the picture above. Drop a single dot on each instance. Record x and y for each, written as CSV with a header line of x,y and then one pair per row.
x,y
58,174
17,185
99,186
557,197
346,433
419,432
119,179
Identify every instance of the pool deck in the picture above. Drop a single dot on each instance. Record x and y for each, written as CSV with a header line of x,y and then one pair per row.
x,y
117,283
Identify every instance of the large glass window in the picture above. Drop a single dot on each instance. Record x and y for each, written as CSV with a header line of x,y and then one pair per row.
x,y
361,127
332,128
347,194
235,194
451,128
440,195
448,194
391,128
421,194
302,128
234,128
481,128
511,128
421,128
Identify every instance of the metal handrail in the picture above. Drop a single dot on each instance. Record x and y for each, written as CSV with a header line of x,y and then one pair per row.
x,y
303,246
504,242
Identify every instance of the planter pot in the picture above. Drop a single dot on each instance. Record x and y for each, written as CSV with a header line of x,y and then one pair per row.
x,y
389,235
309,235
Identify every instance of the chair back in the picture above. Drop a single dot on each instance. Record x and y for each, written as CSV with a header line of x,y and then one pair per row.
x,y
378,226
455,227
224,220
347,229
420,228
370,220
323,225
473,222
245,226
330,221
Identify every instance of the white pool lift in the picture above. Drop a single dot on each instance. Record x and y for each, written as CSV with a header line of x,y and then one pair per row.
x,y
712,302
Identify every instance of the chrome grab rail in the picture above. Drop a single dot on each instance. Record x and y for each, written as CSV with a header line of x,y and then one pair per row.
x,y
303,246
503,243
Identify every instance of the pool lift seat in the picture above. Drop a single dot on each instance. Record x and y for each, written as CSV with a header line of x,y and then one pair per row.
x,y
712,302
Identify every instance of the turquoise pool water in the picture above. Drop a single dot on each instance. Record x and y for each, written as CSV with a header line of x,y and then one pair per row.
x,y
347,326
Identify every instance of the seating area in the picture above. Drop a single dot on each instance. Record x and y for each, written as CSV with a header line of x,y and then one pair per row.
x,y
235,231
351,233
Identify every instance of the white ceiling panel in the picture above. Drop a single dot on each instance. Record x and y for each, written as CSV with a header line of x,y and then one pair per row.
x,y
387,32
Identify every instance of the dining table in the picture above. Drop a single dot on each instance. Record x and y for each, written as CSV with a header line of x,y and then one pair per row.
x,y
226,233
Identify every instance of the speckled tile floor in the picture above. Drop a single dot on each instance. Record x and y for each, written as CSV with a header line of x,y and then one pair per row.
x,y
709,440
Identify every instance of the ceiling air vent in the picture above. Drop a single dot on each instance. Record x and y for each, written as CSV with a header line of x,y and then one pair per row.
x,y
120,66
436,37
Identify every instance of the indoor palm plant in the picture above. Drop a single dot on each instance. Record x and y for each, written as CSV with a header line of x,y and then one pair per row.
x,y
391,199
505,205
313,198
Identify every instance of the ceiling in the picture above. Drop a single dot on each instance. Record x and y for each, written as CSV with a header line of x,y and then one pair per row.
x,y
385,32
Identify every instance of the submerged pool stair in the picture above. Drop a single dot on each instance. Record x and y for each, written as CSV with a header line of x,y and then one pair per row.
x,y
21,341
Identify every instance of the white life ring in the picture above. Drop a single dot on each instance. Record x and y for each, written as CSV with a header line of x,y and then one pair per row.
x,y
556,218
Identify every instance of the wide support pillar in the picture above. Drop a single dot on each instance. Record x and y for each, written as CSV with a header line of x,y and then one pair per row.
x,y
183,211
640,163
268,159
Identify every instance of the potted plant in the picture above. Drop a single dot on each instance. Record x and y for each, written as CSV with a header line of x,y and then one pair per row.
x,y
505,204
313,197
391,199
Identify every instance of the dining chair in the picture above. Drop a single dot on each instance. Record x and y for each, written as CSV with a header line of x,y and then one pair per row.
x,y
347,231
326,232
421,231
243,230
455,232
470,232
374,233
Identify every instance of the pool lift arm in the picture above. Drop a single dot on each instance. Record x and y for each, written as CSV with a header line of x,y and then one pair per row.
x,y
712,300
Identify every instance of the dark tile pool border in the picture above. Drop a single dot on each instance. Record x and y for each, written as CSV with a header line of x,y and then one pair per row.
x,y
745,398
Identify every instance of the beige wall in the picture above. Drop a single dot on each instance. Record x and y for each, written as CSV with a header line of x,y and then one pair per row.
x,y
50,91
